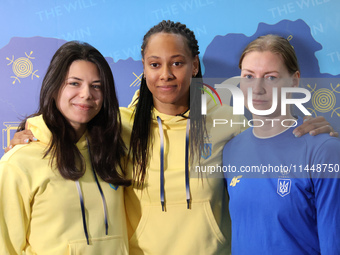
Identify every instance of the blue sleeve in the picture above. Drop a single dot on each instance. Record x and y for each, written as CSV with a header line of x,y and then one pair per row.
x,y
327,196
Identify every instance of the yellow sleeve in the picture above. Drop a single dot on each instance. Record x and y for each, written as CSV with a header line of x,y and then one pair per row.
x,y
14,209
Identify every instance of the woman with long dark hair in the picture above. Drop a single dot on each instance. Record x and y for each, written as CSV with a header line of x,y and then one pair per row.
x,y
168,212
63,194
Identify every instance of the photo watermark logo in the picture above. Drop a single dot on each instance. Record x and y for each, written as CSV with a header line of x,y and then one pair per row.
x,y
278,94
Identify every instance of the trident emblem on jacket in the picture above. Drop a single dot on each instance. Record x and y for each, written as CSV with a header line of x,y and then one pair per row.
x,y
283,187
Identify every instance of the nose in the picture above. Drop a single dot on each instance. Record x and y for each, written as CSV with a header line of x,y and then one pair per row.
x,y
258,86
85,91
166,73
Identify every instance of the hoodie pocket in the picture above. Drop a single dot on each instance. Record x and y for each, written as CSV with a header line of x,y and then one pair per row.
x,y
178,231
104,245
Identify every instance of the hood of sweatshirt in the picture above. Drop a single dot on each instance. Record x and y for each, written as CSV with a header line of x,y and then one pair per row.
x,y
169,121
43,134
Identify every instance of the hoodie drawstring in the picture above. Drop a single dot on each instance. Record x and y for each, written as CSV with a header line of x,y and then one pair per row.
x,y
187,185
82,200
161,134
82,211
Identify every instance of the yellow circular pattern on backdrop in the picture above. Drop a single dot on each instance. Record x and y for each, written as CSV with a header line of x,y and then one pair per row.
x,y
22,67
323,100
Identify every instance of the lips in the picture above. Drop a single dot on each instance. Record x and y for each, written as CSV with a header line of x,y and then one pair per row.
x,y
167,87
257,102
83,107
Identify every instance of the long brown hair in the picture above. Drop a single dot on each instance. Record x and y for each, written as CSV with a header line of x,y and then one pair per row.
x,y
106,145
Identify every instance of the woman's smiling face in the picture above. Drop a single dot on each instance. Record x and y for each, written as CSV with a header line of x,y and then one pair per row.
x,y
80,98
168,70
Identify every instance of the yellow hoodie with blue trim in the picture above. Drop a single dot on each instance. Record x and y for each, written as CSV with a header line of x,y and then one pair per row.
x,y
40,211
205,227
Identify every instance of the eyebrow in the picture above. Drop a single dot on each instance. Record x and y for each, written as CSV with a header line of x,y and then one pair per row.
x,y
73,77
174,56
78,79
253,71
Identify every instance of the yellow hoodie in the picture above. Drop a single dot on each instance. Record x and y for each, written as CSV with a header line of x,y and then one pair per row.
x,y
205,227
40,211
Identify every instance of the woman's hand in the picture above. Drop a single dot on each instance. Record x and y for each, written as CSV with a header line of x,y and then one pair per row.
x,y
21,137
314,126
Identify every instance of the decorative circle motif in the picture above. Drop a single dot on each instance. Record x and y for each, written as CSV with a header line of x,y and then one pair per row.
x,y
22,67
323,100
